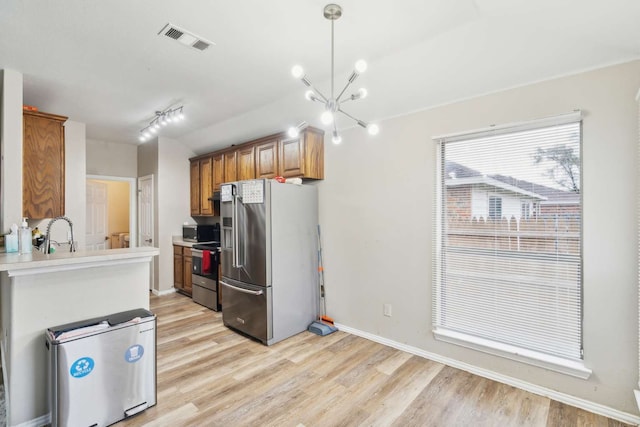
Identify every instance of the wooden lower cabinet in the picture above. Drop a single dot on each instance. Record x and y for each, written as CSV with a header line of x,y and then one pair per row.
x,y
187,266
178,274
182,265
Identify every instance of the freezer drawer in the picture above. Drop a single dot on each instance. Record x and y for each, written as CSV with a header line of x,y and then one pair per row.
x,y
247,308
102,370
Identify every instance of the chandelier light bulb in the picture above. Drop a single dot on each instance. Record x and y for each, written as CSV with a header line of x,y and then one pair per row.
x,y
326,118
373,129
361,66
336,139
363,93
309,95
297,71
293,132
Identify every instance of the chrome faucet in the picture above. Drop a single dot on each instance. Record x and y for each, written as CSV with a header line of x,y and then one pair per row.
x,y
47,237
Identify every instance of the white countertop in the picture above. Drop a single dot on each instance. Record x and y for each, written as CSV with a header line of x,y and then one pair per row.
x,y
14,262
177,240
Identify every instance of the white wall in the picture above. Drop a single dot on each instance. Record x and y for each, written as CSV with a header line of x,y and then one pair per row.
x,y
111,159
376,212
168,161
173,203
11,144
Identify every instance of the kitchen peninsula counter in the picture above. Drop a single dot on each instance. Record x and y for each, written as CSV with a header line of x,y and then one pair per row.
x,y
39,291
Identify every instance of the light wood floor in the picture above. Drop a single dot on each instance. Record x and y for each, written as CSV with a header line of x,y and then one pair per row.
x,y
211,376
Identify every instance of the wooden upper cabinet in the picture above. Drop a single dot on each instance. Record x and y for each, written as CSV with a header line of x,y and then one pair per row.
x,y
206,186
303,156
201,172
246,166
42,165
218,171
267,159
230,171
194,172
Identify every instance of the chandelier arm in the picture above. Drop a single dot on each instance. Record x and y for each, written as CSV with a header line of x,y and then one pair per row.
x,y
343,90
359,122
308,83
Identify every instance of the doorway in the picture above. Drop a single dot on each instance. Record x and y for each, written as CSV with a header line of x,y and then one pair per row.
x,y
111,212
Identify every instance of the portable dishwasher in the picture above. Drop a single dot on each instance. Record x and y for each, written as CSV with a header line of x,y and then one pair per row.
x,y
102,370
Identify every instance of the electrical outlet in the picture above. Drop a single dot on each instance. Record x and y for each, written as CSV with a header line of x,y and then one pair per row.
x,y
386,310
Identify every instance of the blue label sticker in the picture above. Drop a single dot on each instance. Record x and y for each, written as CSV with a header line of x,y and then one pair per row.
x,y
81,367
134,353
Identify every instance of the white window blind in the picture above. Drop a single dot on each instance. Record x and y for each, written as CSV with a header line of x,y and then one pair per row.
x,y
508,250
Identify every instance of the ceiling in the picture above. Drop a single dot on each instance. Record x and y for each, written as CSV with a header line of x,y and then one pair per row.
x,y
103,63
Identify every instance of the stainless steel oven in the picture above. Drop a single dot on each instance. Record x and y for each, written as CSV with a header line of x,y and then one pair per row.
x,y
204,276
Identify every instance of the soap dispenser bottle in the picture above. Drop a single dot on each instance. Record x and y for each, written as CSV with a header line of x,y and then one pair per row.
x,y
24,238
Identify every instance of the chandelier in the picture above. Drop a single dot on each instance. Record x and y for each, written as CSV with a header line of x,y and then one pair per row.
x,y
162,118
333,104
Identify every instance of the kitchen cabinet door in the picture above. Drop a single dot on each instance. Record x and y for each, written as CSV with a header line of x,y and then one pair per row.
x,y
42,165
218,171
206,186
246,163
230,171
303,156
178,271
267,159
194,172
186,268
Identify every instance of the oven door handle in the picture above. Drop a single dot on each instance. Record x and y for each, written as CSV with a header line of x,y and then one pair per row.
x,y
245,291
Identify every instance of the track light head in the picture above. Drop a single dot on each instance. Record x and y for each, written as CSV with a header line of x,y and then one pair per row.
x,y
162,118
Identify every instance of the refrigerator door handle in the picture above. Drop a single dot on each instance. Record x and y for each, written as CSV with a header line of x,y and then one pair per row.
x,y
245,291
236,227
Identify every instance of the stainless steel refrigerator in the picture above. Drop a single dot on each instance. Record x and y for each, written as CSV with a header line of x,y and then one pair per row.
x,y
269,258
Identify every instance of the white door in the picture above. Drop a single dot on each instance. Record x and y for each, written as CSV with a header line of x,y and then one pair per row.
x,y
96,235
145,212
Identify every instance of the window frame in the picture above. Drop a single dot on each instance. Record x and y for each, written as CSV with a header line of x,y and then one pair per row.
x,y
567,366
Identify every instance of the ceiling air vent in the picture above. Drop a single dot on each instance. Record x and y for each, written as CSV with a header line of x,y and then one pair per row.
x,y
185,37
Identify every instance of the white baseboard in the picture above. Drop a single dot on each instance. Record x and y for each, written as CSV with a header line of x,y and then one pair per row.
x,y
587,405
163,293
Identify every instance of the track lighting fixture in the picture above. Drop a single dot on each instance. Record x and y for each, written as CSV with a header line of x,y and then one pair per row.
x,y
162,118
332,105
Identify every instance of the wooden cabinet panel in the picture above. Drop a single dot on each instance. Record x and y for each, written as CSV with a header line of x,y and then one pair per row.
x,y
218,171
292,157
230,171
187,267
178,272
303,156
194,172
267,159
42,165
201,173
206,186
246,167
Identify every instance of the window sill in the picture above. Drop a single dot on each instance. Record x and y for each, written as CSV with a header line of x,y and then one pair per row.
x,y
553,363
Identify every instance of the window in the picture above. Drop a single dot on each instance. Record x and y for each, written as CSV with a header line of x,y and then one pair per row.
x,y
495,207
511,284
